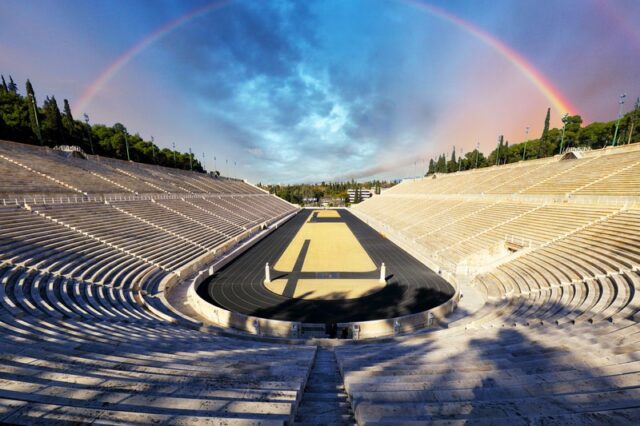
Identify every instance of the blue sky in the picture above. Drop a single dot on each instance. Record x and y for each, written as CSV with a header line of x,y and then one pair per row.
x,y
326,90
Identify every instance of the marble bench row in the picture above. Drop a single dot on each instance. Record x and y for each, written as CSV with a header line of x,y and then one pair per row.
x,y
496,375
88,370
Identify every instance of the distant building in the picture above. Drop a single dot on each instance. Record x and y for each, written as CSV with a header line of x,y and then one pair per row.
x,y
309,200
331,202
359,194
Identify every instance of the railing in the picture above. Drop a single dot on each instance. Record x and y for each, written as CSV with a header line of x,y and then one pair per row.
x,y
524,242
607,200
577,149
68,148
71,199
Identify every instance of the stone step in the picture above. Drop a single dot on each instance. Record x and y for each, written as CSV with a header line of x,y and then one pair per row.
x,y
324,400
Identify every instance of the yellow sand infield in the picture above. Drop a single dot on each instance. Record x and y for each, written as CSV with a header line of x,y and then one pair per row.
x,y
332,248
328,289
327,213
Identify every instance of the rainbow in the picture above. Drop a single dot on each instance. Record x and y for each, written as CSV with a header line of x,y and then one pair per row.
x,y
553,95
122,60
557,100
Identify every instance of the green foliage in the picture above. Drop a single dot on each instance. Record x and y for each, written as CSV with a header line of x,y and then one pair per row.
x,y
332,190
452,164
21,120
595,135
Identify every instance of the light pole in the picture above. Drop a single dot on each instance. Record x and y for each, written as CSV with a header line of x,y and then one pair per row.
x,y
477,153
190,159
86,120
498,150
215,167
565,119
126,142
35,115
460,159
204,162
526,139
175,163
621,102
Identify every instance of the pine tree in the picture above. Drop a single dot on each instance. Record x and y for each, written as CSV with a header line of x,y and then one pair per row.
x,y
4,87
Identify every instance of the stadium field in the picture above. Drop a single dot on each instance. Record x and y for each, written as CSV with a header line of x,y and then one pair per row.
x,y
325,268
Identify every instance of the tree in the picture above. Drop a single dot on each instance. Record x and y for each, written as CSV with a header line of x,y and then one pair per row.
x,y
432,167
452,165
475,158
633,118
32,105
441,165
12,87
505,153
4,87
545,131
547,121
67,119
52,122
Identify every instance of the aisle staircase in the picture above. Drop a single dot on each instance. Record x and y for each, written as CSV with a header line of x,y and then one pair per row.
x,y
324,401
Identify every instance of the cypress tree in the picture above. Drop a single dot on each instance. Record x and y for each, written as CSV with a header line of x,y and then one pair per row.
x,y
67,118
453,163
32,105
12,86
634,117
547,120
506,153
432,167
52,121
545,131
4,85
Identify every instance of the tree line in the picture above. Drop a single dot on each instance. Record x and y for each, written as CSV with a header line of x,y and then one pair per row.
x,y
551,141
22,119
334,190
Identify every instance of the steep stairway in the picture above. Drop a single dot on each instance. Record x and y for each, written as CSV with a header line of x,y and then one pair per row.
x,y
324,401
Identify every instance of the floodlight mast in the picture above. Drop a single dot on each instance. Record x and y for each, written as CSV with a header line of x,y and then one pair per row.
x,y
621,103
126,142
175,163
526,139
565,120
86,120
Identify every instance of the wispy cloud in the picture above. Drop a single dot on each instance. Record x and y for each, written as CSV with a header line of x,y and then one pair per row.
x,y
303,91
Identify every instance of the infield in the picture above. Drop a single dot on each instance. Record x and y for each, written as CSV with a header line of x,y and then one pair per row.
x,y
326,269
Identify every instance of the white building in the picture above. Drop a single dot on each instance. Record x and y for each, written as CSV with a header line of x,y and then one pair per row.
x,y
364,194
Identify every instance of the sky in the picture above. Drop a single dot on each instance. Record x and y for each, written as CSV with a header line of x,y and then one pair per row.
x,y
292,91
